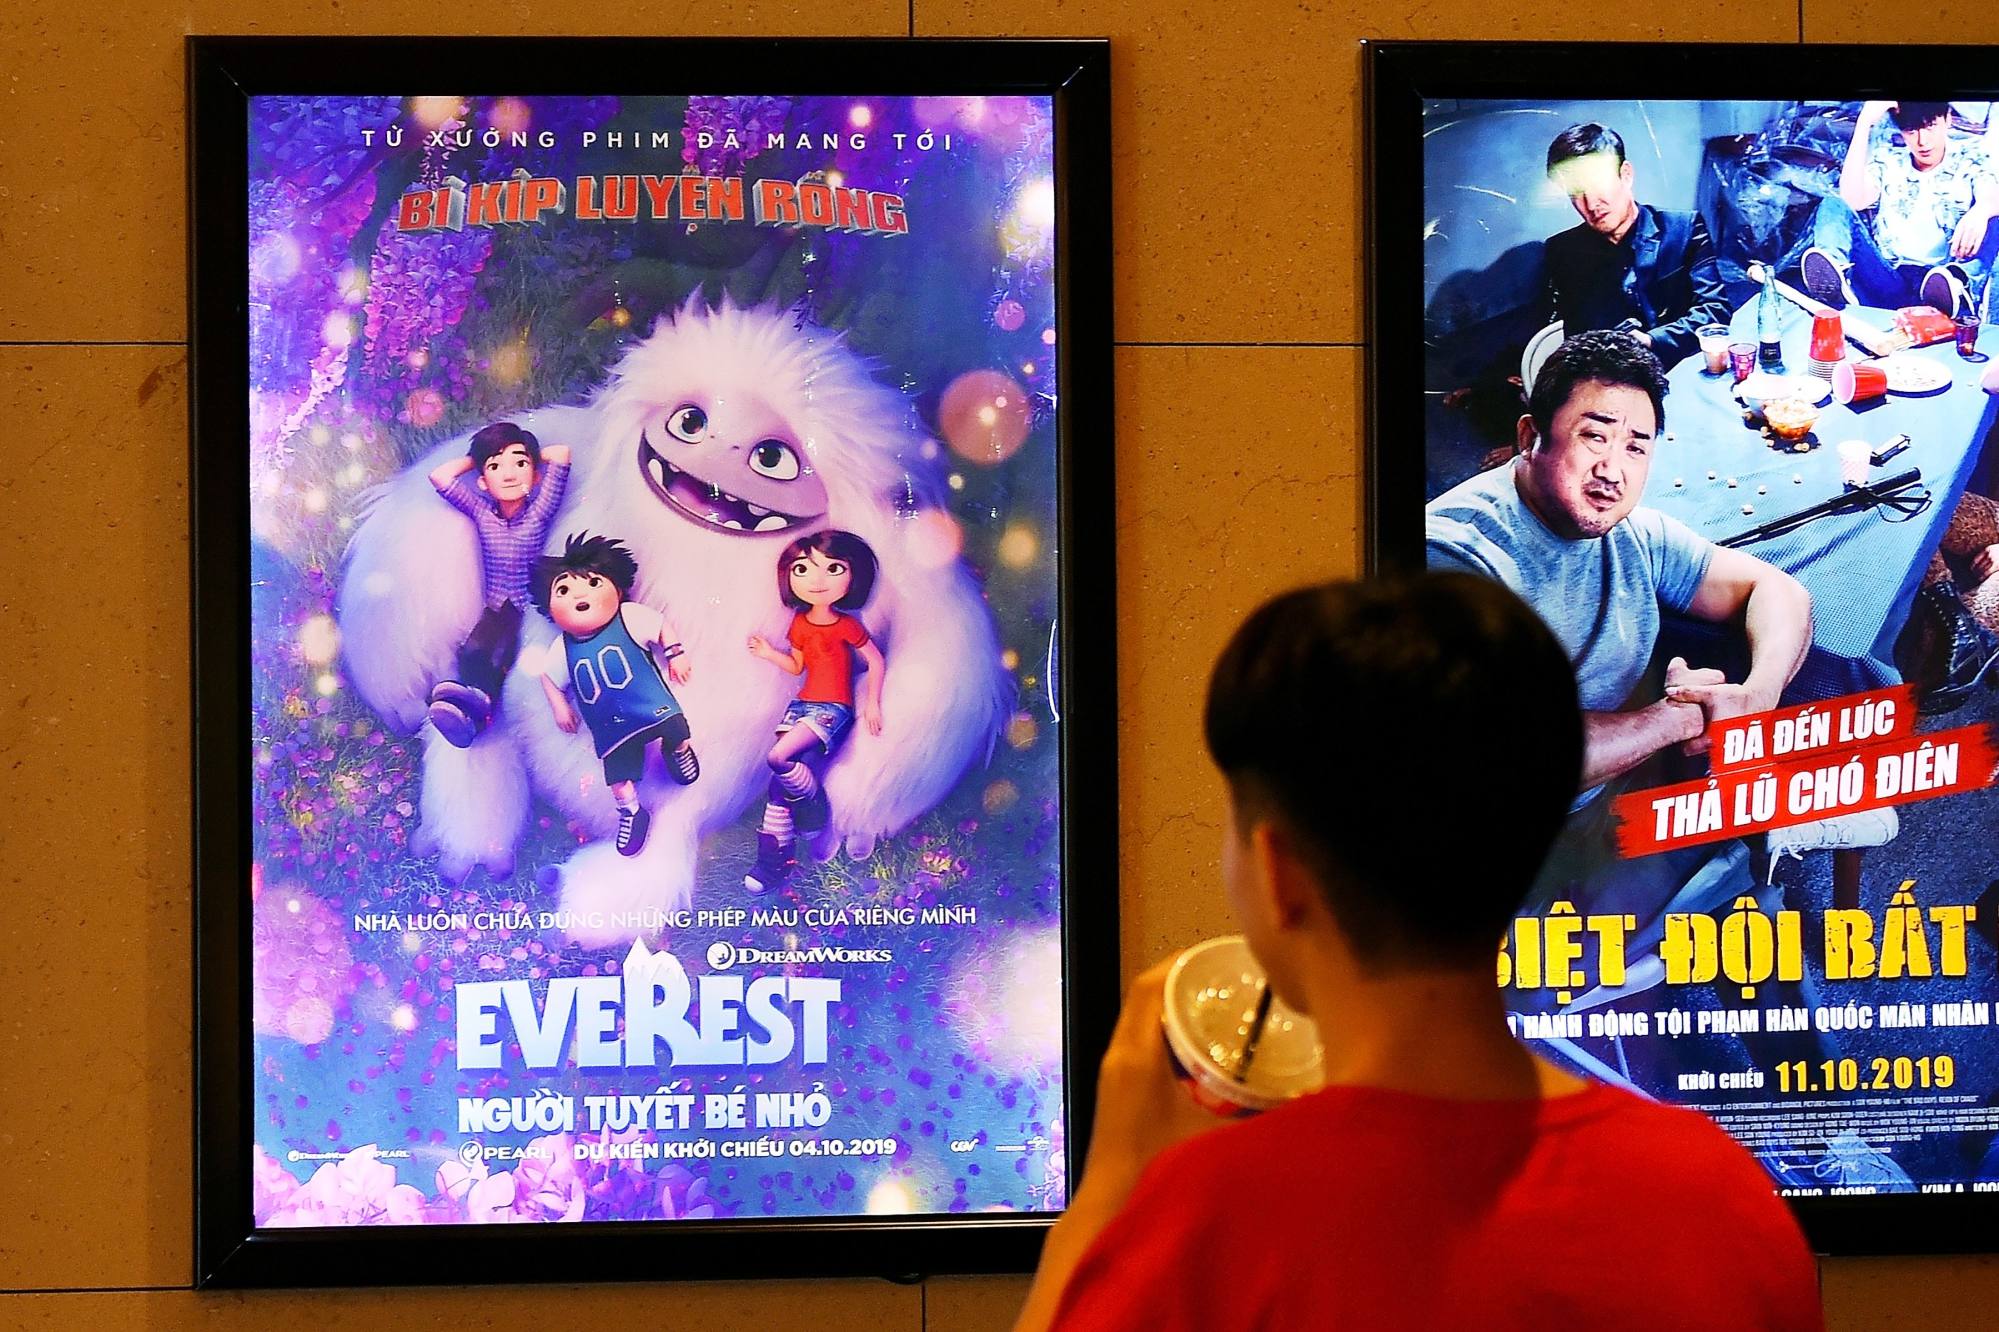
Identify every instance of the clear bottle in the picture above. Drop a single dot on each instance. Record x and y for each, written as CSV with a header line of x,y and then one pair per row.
x,y
1769,324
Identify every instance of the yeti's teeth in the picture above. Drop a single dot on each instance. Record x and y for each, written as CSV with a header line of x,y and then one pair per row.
x,y
658,468
771,524
756,510
731,498
713,519
732,523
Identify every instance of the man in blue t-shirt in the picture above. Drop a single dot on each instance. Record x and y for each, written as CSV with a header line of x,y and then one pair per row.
x,y
1562,527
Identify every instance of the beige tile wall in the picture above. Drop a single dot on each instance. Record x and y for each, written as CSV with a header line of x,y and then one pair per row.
x,y
1227,312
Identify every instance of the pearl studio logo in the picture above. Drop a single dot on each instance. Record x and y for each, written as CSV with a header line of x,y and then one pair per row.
x,y
723,955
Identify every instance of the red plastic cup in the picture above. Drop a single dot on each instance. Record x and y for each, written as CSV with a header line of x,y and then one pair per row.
x,y
1828,342
1858,381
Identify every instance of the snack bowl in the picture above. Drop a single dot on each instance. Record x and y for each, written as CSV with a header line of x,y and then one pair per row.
x,y
1764,387
1790,419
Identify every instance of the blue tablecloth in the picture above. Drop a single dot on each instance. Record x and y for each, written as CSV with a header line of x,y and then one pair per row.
x,y
1861,568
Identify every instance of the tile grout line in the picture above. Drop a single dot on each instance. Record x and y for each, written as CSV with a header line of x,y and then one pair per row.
x,y
1281,346
1306,346
93,1290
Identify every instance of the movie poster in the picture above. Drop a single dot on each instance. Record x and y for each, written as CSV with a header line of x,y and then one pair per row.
x,y
1708,383
656,712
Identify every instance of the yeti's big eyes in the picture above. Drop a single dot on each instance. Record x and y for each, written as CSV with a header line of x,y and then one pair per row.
x,y
687,424
775,460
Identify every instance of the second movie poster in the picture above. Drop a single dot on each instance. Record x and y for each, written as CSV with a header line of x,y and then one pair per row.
x,y
1708,383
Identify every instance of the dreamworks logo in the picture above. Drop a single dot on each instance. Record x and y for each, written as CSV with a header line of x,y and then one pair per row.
x,y
723,955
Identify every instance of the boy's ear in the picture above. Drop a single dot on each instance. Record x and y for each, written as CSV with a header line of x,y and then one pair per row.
x,y
1282,876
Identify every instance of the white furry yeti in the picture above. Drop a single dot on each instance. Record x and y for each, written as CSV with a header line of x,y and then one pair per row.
x,y
790,434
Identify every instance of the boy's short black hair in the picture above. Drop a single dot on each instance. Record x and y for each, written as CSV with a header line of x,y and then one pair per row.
x,y
1419,741
1914,115
1608,355
1584,140
834,545
497,438
584,553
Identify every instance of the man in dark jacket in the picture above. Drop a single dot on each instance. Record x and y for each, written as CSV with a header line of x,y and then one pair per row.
x,y
1628,265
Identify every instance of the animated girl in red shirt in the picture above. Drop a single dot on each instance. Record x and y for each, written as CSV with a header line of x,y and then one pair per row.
x,y
820,577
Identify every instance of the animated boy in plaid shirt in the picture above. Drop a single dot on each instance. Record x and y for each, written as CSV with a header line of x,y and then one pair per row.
x,y
512,502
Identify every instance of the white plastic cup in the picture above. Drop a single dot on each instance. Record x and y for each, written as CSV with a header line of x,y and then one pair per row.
x,y
1856,457
1714,347
1212,993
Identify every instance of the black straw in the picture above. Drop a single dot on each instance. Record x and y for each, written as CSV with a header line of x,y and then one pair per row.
x,y
1255,1033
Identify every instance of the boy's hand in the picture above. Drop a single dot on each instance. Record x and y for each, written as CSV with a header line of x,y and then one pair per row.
x,y
676,671
1142,1108
566,718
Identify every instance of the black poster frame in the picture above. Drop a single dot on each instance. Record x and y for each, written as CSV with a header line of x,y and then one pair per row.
x,y
223,73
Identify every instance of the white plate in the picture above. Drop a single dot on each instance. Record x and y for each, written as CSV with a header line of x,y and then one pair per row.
x,y
1763,387
1915,374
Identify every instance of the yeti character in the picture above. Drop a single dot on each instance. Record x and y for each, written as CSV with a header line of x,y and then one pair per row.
x,y
723,436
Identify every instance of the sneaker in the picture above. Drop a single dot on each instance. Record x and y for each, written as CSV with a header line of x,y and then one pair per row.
x,y
1842,832
1945,288
773,867
452,723
1825,278
468,699
632,826
682,765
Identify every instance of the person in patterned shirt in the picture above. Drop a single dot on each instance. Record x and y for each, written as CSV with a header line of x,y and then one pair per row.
x,y
512,502
1911,220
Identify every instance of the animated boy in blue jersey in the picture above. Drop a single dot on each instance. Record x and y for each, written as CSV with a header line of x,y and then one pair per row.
x,y
605,657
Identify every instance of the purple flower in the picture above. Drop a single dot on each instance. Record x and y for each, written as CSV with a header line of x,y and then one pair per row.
x,y
271,1185
750,119
359,1190
546,1185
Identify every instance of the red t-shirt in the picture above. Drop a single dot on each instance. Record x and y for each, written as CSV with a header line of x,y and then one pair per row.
x,y
1362,1208
829,665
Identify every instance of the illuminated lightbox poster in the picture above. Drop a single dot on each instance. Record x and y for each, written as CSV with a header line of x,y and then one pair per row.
x,y
655,663
1704,374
